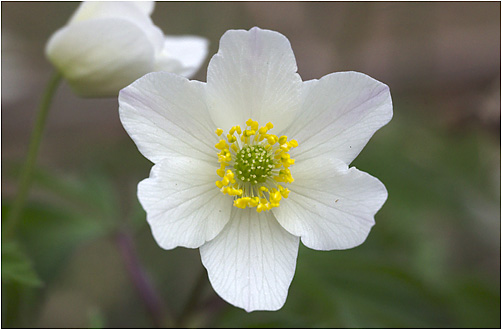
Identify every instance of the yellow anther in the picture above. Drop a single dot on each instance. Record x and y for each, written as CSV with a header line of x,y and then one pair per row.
x,y
234,147
253,202
219,184
253,124
249,132
218,131
285,148
221,145
283,139
224,156
232,130
293,143
285,193
263,130
288,163
231,138
242,202
275,197
263,188
220,172
238,129
231,191
269,125
261,207
272,139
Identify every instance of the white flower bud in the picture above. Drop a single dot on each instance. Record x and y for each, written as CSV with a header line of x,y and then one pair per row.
x,y
107,45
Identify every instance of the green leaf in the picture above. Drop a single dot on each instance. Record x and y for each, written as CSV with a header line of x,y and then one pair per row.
x,y
50,235
16,267
91,193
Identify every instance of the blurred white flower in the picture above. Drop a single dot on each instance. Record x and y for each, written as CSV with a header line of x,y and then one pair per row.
x,y
107,45
233,195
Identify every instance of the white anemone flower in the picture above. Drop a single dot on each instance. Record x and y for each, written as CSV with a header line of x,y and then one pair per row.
x,y
107,45
247,197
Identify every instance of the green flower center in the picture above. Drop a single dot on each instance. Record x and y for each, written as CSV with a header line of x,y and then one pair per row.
x,y
253,164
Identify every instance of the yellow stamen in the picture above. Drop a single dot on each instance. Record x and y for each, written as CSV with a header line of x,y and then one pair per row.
x,y
250,171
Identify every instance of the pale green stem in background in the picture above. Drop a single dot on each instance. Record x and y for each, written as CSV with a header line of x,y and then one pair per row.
x,y
27,171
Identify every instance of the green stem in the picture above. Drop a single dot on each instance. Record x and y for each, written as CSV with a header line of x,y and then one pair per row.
x,y
27,171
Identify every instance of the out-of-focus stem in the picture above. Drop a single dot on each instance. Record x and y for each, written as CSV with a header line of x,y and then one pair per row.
x,y
193,299
153,303
27,171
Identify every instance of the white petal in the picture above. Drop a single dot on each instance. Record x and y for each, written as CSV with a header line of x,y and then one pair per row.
x,y
251,263
131,11
182,55
146,7
101,56
107,9
183,205
340,113
166,116
253,75
330,206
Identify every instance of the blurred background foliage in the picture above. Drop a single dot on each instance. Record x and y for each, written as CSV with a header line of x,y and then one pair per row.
x,y
433,258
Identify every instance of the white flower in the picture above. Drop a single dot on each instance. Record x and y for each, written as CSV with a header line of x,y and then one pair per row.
x,y
107,45
207,189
